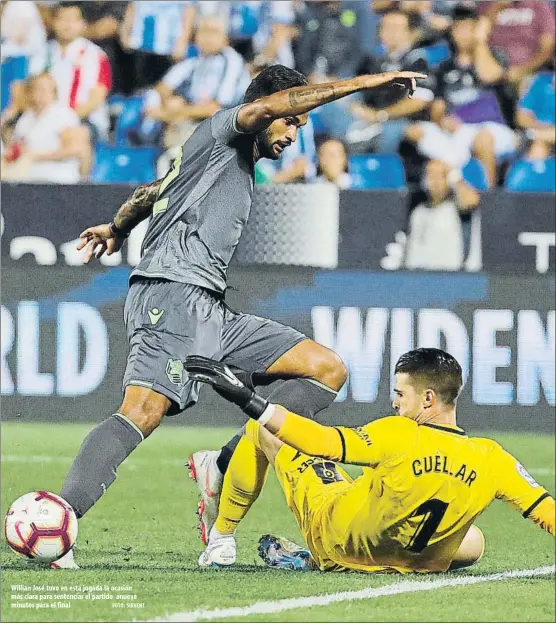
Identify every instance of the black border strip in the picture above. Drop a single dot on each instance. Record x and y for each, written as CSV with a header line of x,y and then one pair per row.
x,y
445,429
343,444
535,504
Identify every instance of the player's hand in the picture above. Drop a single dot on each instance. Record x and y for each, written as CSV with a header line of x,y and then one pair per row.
x,y
226,383
99,240
397,79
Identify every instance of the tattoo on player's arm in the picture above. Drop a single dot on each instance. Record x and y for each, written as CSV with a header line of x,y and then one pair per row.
x,y
311,96
138,207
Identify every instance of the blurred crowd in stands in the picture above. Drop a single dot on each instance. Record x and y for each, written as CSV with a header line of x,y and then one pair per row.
x,y
106,91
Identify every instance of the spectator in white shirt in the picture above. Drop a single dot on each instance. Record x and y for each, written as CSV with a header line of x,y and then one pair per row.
x,y
46,144
81,71
272,42
23,34
197,87
444,230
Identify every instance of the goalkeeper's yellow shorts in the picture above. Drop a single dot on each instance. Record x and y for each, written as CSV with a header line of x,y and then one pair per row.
x,y
309,484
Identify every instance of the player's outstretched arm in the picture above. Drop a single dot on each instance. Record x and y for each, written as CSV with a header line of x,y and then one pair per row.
x,y
109,237
335,443
261,113
517,487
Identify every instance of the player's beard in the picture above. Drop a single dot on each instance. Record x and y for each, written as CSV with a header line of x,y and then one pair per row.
x,y
264,145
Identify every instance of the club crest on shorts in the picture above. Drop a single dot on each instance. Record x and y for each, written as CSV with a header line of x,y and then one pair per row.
x,y
174,371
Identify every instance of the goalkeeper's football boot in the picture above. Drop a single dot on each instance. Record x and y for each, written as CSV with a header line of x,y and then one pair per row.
x,y
279,552
205,472
220,551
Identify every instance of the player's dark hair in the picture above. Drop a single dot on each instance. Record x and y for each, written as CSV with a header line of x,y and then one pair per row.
x,y
273,79
435,369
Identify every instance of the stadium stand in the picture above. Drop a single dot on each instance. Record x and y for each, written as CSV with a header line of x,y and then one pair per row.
x,y
151,37
532,176
376,171
115,164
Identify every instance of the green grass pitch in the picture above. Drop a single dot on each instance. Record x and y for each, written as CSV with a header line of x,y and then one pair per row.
x,y
142,538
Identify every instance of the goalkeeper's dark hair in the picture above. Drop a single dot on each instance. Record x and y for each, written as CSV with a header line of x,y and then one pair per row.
x,y
433,368
273,79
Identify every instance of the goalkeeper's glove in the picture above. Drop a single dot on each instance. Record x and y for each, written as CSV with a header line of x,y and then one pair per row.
x,y
225,383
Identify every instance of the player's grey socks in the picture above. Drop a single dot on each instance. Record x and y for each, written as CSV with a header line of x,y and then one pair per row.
x,y
302,396
94,468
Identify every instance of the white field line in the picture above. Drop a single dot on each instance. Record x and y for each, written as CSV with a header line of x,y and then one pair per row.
x,y
396,588
133,463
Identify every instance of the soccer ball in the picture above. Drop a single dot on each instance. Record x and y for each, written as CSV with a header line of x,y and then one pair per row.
x,y
41,526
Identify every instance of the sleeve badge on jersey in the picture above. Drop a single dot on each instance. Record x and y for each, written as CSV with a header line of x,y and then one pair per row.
x,y
526,475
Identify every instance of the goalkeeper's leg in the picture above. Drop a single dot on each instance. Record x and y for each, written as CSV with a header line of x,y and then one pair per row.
x,y
276,551
243,482
245,477
208,467
299,374
242,485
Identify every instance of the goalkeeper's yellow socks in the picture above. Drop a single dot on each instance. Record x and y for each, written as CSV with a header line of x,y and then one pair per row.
x,y
243,481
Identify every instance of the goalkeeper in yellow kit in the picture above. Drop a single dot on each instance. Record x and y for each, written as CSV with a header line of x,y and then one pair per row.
x,y
424,480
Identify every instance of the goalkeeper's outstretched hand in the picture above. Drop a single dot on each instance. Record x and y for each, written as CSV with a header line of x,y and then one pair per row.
x,y
226,383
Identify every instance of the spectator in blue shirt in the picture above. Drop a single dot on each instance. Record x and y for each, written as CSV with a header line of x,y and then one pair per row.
x,y
536,114
260,30
197,87
158,34
272,43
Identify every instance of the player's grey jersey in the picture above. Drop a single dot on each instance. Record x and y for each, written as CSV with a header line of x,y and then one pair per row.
x,y
202,207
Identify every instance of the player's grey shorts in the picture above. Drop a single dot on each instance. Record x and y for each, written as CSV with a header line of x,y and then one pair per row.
x,y
167,320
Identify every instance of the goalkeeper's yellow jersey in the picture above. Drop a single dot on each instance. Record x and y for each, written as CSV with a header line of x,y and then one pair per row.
x,y
422,487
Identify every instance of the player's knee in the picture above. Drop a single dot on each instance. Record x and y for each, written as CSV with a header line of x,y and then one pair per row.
x,y
269,444
145,418
144,407
329,369
471,549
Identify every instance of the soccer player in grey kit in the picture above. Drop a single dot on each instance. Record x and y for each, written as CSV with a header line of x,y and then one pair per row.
x,y
175,306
